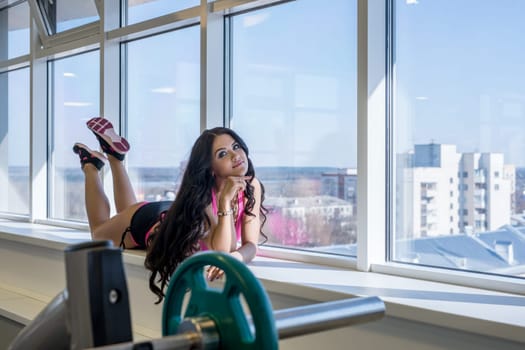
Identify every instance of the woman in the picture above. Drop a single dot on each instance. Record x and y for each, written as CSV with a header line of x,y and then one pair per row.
x,y
218,206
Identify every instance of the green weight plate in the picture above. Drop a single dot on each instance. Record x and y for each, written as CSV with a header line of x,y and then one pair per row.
x,y
223,306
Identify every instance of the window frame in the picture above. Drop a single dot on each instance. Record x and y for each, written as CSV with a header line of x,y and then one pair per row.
x,y
10,65
495,282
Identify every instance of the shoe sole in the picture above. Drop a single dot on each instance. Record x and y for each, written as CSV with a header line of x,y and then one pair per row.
x,y
78,147
104,129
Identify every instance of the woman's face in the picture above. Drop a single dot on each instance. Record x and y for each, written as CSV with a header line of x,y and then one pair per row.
x,y
228,158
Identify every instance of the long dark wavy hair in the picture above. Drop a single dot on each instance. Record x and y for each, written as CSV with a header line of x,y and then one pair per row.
x,y
177,237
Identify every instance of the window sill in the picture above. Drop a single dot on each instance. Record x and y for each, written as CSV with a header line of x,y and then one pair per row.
x,y
473,310
462,308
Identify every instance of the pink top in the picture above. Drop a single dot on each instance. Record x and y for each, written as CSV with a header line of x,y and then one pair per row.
x,y
238,219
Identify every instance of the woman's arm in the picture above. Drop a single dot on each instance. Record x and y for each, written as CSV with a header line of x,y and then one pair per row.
x,y
222,235
251,228
249,235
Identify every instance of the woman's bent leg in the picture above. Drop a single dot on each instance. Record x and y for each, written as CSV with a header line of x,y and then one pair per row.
x,y
114,228
123,192
115,147
97,204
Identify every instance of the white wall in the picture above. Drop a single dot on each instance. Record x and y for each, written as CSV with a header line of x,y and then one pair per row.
x,y
38,271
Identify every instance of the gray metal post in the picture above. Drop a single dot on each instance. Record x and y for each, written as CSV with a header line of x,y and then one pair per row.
x,y
92,311
98,302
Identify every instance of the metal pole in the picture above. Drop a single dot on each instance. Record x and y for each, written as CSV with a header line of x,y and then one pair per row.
x,y
309,319
197,333
290,323
187,341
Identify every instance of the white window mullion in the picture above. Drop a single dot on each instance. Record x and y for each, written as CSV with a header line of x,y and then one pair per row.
x,y
38,127
212,68
179,19
110,78
38,22
371,161
14,63
109,60
215,70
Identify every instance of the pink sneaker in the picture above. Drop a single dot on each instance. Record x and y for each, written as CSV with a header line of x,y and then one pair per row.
x,y
110,142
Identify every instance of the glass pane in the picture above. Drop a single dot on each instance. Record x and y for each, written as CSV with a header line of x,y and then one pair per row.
x,y
163,106
141,10
75,99
294,103
14,31
459,135
67,14
14,142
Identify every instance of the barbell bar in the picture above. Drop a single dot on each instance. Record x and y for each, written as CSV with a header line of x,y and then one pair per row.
x,y
214,318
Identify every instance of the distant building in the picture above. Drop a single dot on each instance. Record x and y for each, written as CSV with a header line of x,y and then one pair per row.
x,y
324,207
342,184
509,173
440,191
501,251
311,221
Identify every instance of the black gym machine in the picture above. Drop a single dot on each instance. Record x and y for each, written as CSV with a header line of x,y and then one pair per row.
x,y
92,312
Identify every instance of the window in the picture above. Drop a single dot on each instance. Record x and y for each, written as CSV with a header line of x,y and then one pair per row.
x,y
14,109
60,16
14,142
16,20
163,109
455,107
294,102
140,10
458,99
74,99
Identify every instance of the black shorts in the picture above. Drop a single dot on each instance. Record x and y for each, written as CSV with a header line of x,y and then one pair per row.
x,y
143,221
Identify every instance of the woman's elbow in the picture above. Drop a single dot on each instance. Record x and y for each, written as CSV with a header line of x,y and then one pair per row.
x,y
250,251
255,249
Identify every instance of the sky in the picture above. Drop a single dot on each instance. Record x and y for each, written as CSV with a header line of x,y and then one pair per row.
x,y
460,69
458,80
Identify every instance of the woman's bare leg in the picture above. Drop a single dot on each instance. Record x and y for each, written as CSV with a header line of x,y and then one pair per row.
x,y
97,204
123,192
115,147
98,210
114,228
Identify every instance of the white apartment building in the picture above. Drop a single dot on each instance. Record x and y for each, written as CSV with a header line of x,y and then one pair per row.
x,y
509,173
440,191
